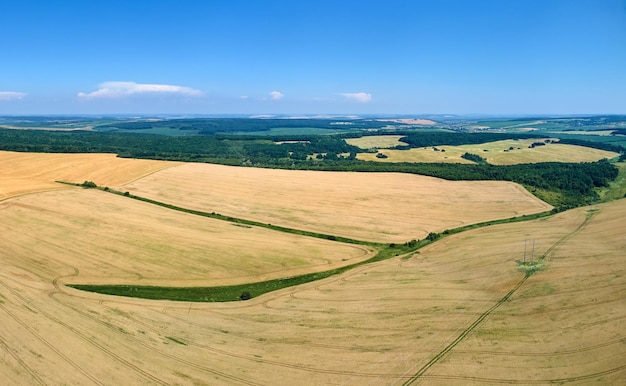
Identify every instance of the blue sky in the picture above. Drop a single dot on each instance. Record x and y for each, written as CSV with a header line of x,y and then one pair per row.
x,y
313,57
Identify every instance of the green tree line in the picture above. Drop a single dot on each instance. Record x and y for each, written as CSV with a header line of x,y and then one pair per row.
x,y
563,185
210,126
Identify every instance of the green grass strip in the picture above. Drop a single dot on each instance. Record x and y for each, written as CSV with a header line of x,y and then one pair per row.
x,y
234,292
250,290
241,221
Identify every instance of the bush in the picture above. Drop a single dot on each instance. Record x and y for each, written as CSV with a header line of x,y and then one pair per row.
x,y
474,158
432,236
89,184
411,243
245,295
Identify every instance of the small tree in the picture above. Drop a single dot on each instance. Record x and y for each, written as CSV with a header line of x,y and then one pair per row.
x,y
245,295
411,243
432,236
89,184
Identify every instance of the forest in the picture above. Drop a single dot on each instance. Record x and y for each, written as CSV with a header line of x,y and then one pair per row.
x,y
229,125
427,139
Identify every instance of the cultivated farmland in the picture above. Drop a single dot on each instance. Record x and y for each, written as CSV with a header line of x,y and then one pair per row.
x,y
507,152
31,172
457,311
376,141
382,207
443,315
110,239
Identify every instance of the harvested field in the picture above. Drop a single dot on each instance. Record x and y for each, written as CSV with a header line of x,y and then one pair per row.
x,y
383,207
22,173
385,323
508,152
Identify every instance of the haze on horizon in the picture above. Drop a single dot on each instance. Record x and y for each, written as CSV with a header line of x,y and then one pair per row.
x,y
322,57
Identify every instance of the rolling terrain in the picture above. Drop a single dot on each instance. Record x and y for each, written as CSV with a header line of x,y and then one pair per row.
x,y
22,173
507,152
457,311
382,207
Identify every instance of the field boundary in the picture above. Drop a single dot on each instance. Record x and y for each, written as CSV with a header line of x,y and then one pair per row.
x,y
249,290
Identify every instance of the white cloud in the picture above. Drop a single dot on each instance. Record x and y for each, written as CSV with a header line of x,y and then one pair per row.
x,y
362,97
244,97
276,95
121,89
11,95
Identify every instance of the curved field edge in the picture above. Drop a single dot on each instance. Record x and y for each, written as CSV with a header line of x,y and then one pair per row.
x,y
380,207
376,324
254,289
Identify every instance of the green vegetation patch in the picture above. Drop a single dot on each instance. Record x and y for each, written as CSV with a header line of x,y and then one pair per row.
x,y
176,340
242,292
474,158
617,188
202,294
530,267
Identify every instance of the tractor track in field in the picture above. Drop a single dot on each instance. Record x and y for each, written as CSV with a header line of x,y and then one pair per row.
x,y
250,358
246,358
151,348
480,380
238,356
100,347
546,354
420,374
21,362
43,340
589,216
435,359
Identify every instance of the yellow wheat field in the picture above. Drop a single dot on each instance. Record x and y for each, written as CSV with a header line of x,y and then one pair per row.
x,y
379,324
385,207
110,239
433,317
29,172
